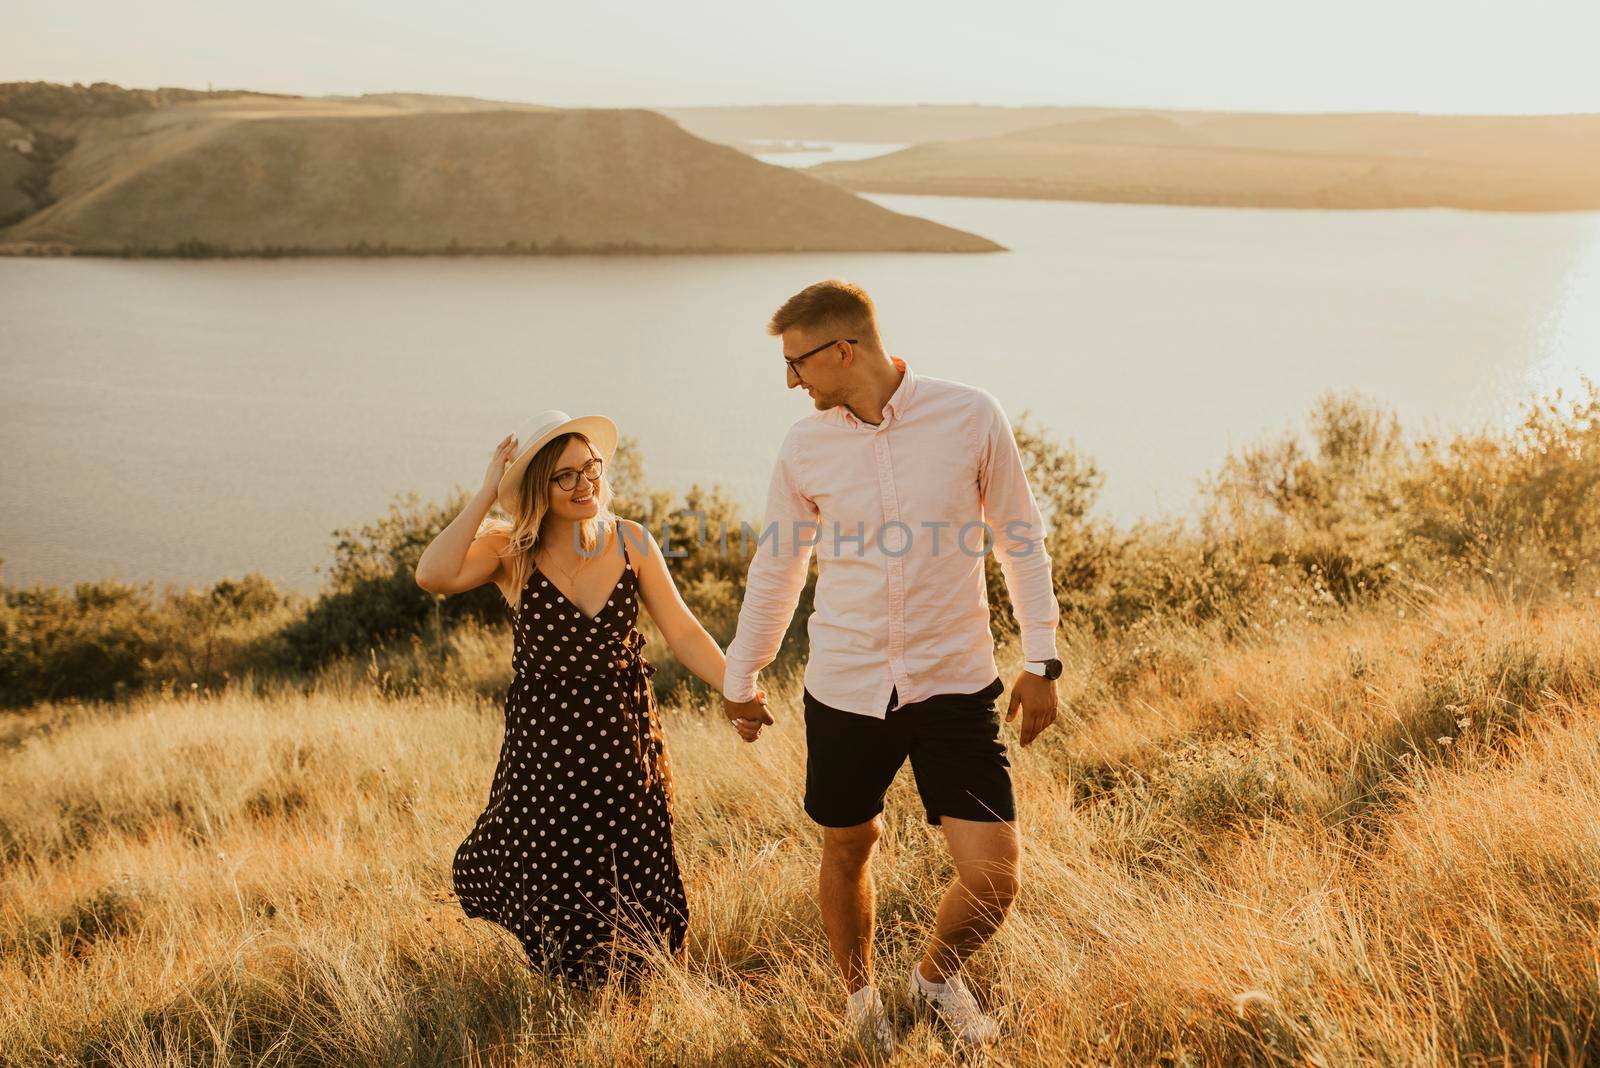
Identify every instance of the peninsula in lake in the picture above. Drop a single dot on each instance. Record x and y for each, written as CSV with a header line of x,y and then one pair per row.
x,y
1229,159
104,170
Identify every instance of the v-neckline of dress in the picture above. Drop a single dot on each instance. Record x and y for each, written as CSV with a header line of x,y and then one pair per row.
x,y
537,570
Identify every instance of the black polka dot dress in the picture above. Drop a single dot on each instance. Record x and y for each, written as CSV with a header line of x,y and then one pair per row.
x,y
574,853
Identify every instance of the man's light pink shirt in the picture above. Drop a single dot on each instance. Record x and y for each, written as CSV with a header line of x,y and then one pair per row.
x,y
901,607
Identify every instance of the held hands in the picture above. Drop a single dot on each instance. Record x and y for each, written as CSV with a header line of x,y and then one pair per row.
x,y
1036,695
1033,694
748,717
504,453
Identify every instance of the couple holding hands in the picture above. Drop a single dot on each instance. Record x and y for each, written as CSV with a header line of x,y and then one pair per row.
x,y
902,484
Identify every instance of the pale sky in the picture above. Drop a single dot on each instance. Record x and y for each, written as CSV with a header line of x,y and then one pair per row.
x,y
1272,55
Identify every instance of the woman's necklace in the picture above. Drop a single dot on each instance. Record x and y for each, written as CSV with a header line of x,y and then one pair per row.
x,y
571,576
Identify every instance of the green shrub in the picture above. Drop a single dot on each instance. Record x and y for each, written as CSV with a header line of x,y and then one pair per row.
x,y
108,638
1285,531
371,597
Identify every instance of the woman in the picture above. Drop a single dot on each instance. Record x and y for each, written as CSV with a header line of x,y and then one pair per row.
x,y
574,853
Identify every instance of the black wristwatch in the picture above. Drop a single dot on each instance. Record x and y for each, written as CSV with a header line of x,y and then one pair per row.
x,y
1050,669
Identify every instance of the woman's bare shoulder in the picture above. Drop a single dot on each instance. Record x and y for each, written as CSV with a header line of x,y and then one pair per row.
x,y
631,529
492,544
495,538
636,538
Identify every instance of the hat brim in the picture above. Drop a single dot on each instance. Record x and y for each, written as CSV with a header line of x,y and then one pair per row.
x,y
601,432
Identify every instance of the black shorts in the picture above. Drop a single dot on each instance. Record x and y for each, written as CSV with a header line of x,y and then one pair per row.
x,y
953,740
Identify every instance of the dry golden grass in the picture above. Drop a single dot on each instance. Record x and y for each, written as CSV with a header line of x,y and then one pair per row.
x,y
1373,841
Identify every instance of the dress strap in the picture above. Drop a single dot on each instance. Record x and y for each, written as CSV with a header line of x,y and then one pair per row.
x,y
622,536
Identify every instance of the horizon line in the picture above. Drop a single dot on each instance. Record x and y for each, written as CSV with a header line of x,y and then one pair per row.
x,y
819,105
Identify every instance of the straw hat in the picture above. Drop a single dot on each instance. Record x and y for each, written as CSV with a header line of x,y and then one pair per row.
x,y
601,432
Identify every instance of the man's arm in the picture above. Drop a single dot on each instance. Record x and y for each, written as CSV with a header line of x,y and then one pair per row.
x,y
772,586
1019,531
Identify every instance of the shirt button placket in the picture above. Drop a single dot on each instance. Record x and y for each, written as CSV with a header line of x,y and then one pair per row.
x,y
895,563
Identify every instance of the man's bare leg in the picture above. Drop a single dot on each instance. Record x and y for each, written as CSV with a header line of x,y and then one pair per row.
x,y
985,856
847,897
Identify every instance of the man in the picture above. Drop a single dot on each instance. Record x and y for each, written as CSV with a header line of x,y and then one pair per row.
x,y
892,479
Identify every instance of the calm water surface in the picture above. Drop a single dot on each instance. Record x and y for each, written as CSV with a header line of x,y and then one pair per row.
x,y
179,422
825,151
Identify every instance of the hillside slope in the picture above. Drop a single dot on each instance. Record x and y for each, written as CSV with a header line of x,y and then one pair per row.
x,y
1502,163
255,174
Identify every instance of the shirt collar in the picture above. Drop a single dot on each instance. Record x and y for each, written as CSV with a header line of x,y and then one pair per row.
x,y
895,406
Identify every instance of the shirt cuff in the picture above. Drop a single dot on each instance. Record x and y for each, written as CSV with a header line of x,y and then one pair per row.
x,y
1039,643
739,686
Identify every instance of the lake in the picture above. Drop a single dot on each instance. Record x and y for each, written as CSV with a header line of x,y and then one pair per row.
x,y
810,153
182,421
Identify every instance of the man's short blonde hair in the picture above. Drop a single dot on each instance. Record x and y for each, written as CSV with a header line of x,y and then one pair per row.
x,y
833,303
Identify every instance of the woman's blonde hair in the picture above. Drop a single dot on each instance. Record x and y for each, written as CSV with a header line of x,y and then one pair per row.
x,y
525,531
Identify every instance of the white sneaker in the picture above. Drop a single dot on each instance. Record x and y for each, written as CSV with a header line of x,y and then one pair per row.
x,y
956,1007
865,1017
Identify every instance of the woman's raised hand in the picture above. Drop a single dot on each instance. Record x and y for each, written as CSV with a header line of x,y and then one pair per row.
x,y
504,453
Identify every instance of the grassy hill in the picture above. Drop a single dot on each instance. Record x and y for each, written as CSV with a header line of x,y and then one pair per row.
x,y
252,174
1505,163
1322,791
1364,841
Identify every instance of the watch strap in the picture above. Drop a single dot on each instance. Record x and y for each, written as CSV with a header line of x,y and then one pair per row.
x,y
1042,668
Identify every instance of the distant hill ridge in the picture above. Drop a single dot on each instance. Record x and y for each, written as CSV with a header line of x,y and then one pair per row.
x,y
1236,159
39,123
178,172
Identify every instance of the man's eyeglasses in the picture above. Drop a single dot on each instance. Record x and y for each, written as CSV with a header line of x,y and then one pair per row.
x,y
794,361
568,479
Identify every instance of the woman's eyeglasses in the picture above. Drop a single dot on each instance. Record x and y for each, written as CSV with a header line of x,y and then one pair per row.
x,y
568,479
